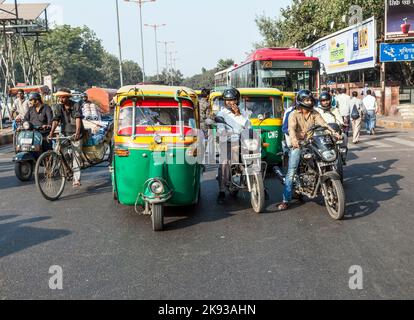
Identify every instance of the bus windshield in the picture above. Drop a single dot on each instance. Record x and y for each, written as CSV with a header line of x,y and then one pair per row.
x,y
287,80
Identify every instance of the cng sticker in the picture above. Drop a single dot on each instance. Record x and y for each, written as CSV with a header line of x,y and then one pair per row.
x,y
273,135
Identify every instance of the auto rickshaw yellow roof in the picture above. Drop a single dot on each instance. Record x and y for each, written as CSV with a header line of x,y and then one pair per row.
x,y
157,90
260,91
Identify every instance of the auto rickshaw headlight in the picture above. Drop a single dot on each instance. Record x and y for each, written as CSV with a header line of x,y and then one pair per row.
x,y
251,145
157,187
26,125
158,139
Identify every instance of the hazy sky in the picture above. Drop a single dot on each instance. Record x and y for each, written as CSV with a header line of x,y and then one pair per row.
x,y
204,31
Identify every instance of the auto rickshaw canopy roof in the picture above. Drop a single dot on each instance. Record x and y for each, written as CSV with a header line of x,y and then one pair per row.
x,y
157,91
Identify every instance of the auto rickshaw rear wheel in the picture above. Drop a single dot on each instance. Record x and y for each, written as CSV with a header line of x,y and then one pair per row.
x,y
157,217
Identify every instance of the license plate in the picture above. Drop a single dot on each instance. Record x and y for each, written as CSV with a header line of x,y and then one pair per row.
x,y
27,141
252,156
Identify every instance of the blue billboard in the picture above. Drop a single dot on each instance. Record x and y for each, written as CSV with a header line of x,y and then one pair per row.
x,y
396,52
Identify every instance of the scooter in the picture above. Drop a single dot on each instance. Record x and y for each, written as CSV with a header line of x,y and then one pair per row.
x,y
29,146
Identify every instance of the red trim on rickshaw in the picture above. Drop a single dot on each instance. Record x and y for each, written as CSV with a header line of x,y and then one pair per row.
x,y
163,130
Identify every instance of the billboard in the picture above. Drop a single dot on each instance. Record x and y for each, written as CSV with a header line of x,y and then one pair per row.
x,y
396,52
399,19
350,49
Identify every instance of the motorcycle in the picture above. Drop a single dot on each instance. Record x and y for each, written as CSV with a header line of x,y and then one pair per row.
x,y
317,172
29,145
247,173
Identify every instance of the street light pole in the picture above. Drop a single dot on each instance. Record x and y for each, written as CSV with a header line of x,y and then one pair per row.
x,y
155,27
165,43
140,3
121,76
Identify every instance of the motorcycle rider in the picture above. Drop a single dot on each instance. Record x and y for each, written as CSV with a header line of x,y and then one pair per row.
x,y
39,115
328,113
300,121
229,137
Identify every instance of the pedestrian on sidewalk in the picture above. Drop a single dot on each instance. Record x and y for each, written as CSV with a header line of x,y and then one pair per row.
x,y
357,115
344,105
371,106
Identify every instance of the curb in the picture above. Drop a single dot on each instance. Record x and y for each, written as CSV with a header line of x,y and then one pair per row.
x,y
6,139
391,124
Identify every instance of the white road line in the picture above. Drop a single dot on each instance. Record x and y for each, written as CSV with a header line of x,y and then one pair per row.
x,y
401,141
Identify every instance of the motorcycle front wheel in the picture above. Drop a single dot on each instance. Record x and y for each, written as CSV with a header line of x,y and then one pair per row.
x,y
23,171
258,193
334,198
49,175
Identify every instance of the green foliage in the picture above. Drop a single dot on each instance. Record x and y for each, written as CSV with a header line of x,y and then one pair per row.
x,y
223,64
305,21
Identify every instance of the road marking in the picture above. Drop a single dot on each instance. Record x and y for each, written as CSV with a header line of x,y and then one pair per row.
x,y
401,141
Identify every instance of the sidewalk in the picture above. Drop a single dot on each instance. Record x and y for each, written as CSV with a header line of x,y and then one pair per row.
x,y
6,136
394,122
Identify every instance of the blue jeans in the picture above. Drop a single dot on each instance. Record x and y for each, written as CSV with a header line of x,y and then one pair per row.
x,y
294,159
370,120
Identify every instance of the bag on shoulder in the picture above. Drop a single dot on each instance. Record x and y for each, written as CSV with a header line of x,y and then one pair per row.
x,y
355,113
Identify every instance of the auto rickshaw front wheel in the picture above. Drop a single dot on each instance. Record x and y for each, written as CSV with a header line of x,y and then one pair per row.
x,y
157,217
23,171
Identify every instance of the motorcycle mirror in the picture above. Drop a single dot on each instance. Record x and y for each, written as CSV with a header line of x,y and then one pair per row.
x,y
220,120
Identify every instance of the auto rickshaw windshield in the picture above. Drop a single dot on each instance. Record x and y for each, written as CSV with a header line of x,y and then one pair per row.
x,y
255,106
153,115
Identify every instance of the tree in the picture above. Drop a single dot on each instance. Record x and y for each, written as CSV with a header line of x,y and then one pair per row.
x,y
73,56
223,64
132,72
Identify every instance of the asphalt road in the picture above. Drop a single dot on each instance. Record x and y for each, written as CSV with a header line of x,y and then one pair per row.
x,y
107,251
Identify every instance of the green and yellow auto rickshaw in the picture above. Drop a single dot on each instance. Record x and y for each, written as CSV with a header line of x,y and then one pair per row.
x,y
156,160
264,106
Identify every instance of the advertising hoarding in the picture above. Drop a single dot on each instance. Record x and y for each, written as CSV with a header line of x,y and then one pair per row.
x,y
399,19
350,49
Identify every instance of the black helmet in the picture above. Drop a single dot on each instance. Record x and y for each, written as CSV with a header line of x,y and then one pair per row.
x,y
325,96
231,94
35,96
300,98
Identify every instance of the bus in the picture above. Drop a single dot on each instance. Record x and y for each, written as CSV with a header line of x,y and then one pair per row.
x,y
223,78
285,69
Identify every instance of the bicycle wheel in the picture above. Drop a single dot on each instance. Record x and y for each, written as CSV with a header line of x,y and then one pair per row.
x,y
50,175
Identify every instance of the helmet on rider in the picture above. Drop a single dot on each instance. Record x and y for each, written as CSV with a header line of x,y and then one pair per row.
x,y
305,100
324,98
231,94
35,96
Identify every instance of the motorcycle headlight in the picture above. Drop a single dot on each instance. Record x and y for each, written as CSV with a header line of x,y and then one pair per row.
x,y
157,187
329,156
26,125
251,145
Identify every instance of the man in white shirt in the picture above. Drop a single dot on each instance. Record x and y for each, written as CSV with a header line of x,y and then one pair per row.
x,y
238,122
357,122
371,106
344,105
20,106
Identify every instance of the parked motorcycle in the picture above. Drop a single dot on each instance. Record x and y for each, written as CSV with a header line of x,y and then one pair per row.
x,y
29,146
317,173
247,173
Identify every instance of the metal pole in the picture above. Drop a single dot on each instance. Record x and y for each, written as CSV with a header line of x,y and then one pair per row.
x,y
121,76
142,43
156,53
